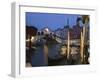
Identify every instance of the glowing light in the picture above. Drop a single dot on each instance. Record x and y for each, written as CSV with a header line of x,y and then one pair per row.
x,y
63,50
32,39
47,30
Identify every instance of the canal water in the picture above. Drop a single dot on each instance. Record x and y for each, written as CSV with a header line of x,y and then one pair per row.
x,y
38,57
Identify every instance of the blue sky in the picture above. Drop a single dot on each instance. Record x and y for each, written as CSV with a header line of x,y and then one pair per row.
x,y
51,20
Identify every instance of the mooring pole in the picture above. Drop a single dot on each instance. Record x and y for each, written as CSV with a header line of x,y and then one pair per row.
x,y
82,45
68,45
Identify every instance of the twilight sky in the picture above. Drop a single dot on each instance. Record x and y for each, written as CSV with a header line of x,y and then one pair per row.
x,y
51,20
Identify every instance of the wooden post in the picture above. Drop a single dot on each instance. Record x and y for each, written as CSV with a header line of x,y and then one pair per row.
x,y
46,53
68,45
82,44
81,50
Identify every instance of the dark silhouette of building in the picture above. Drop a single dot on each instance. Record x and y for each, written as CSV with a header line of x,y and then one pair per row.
x,y
75,32
30,31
